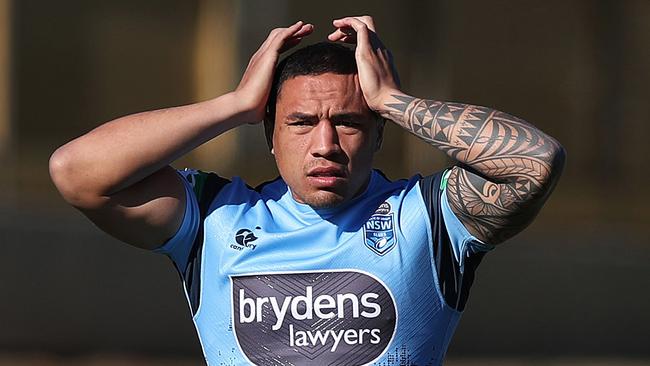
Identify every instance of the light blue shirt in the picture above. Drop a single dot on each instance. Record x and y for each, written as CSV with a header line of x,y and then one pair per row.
x,y
273,281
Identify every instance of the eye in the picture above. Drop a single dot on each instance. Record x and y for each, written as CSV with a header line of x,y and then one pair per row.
x,y
300,123
347,123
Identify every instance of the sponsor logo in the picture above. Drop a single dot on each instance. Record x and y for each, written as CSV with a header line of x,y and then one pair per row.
x,y
312,318
379,230
244,238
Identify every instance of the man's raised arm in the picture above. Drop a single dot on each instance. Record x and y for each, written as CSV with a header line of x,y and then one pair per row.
x,y
118,174
508,167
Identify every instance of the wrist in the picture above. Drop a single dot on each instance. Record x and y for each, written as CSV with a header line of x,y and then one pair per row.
x,y
246,110
385,97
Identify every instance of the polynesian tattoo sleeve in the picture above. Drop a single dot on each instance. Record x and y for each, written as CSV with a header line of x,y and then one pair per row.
x,y
507,166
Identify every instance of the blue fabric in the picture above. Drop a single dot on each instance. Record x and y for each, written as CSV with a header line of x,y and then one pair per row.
x,y
385,233
178,247
463,243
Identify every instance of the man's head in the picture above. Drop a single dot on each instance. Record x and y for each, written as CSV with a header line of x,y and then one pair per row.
x,y
319,126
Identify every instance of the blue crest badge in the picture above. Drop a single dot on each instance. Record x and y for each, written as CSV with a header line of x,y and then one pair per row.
x,y
379,230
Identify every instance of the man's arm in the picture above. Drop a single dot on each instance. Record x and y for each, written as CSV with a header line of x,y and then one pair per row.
x,y
508,167
118,174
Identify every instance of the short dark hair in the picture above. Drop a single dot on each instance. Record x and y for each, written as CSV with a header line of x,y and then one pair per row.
x,y
316,59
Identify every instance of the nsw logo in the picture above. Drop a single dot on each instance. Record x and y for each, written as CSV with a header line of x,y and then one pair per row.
x,y
379,230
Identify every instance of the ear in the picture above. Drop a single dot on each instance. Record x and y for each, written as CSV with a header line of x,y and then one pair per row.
x,y
381,122
268,129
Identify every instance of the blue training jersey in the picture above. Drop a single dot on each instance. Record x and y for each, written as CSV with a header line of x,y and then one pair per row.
x,y
379,280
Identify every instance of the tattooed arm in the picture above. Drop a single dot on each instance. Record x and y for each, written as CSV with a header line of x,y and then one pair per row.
x,y
507,166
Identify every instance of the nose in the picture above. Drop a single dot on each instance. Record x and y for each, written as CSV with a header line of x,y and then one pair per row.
x,y
325,140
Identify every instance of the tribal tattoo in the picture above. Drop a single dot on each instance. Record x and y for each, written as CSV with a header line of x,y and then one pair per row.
x,y
508,167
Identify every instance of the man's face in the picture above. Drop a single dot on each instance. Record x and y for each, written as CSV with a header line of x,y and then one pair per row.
x,y
324,138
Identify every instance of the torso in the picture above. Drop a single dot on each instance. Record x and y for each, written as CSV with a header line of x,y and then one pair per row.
x,y
283,284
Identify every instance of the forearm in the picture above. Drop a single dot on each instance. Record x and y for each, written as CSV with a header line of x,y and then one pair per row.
x,y
122,152
509,167
495,144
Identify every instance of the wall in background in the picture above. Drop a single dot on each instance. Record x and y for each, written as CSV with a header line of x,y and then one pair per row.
x,y
576,280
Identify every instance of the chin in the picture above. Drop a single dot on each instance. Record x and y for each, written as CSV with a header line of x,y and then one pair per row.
x,y
324,199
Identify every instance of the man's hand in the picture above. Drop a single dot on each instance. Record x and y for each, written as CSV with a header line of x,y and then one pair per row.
x,y
377,74
509,167
255,85
118,175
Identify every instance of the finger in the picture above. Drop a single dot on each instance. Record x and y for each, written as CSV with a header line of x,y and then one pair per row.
x,y
341,33
279,34
360,28
275,43
352,39
296,37
366,19
297,30
305,30
291,30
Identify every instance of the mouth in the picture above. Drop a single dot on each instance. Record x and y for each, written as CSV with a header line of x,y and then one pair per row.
x,y
324,177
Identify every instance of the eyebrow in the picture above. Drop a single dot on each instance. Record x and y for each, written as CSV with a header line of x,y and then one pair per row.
x,y
297,116
349,116
335,117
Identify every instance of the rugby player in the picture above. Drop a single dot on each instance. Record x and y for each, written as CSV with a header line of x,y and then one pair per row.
x,y
331,262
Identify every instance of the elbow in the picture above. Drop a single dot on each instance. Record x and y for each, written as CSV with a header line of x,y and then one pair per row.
x,y
67,179
61,174
556,162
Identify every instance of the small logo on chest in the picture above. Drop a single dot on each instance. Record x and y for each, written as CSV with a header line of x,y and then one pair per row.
x,y
244,238
379,230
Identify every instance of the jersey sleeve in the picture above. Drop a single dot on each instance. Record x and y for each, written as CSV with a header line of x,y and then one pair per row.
x,y
185,247
456,252
462,242
178,246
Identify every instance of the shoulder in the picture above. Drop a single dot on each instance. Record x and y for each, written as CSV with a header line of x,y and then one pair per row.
x,y
209,187
201,181
383,182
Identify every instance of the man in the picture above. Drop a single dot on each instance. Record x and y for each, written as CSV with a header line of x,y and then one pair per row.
x,y
331,263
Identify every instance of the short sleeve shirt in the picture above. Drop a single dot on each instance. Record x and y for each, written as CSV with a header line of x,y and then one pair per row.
x,y
381,279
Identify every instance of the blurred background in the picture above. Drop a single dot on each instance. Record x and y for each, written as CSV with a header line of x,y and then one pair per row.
x,y
572,289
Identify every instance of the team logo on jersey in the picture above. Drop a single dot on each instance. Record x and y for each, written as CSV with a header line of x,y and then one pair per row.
x,y
379,230
342,317
244,238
